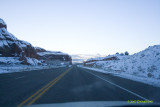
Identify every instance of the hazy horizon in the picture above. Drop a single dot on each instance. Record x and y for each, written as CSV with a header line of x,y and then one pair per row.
x,y
85,26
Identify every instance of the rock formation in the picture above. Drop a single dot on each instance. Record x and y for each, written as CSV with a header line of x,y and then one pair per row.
x,y
10,46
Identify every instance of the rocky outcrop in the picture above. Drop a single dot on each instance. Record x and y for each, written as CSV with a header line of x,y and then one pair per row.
x,y
10,46
3,24
55,57
90,62
38,49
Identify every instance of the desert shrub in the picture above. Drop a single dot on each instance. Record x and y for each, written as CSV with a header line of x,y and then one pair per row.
x,y
126,53
135,73
140,69
142,55
122,54
150,75
151,69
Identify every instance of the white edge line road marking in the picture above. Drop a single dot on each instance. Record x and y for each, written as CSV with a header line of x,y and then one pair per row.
x,y
118,86
19,77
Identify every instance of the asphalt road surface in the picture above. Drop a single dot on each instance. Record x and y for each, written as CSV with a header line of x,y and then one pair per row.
x,y
70,84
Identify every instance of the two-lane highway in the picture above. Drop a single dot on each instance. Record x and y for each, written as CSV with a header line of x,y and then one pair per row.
x,y
73,84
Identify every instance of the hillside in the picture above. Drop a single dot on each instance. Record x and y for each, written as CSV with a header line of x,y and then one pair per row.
x,y
142,64
14,51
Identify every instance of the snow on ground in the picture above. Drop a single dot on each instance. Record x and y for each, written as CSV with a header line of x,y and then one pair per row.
x,y
12,64
20,68
150,81
51,52
15,60
33,61
144,65
9,60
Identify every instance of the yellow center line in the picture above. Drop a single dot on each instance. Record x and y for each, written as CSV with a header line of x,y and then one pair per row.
x,y
31,102
41,91
36,93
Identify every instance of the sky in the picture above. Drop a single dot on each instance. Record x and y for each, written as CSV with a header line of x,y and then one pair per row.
x,y
84,26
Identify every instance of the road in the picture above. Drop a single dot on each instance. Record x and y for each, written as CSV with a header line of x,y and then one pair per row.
x,y
70,85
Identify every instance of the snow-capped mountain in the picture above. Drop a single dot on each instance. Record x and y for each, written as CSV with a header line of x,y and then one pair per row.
x,y
145,63
15,51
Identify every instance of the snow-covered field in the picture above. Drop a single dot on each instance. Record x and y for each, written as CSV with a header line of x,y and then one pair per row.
x,y
143,66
